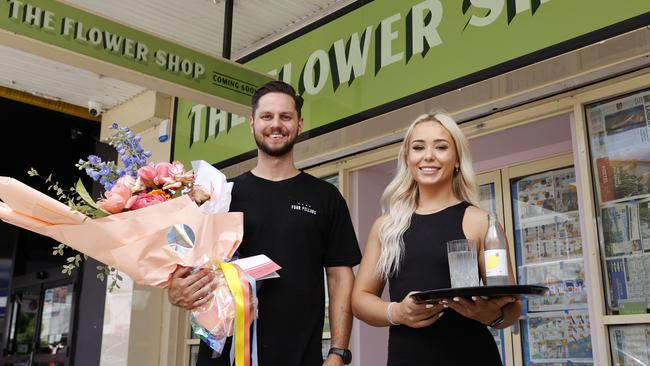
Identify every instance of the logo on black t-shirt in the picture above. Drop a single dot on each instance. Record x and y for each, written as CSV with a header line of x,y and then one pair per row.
x,y
304,207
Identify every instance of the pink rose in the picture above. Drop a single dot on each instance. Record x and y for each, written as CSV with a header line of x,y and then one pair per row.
x,y
146,199
170,184
147,174
117,198
178,177
162,173
178,173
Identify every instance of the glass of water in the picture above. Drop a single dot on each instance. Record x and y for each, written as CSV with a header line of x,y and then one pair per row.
x,y
463,264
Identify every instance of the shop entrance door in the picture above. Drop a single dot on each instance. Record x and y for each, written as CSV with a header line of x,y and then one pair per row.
x,y
40,323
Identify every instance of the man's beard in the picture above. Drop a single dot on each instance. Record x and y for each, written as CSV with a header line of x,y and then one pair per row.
x,y
276,152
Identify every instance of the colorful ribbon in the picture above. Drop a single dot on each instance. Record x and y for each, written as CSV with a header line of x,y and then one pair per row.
x,y
244,294
239,287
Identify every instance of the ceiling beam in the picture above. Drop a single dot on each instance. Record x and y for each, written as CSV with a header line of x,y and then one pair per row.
x,y
53,105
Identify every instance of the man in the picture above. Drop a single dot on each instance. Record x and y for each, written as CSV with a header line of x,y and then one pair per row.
x,y
303,224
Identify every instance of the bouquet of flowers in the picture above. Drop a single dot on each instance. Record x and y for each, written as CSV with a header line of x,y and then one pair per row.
x,y
153,218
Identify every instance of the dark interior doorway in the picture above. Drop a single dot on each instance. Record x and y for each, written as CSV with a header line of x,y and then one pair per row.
x,y
40,316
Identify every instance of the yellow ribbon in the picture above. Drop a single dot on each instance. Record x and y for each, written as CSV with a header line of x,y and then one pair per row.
x,y
232,278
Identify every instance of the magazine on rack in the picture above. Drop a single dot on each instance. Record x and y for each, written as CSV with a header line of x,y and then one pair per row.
x,y
628,283
621,230
625,230
620,139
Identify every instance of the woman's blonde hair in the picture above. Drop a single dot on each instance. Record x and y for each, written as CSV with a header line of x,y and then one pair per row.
x,y
400,198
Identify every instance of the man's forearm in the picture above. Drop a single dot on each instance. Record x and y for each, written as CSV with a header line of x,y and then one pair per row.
x,y
340,281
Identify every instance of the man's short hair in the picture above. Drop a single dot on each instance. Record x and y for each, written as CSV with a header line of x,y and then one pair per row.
x,y
277,86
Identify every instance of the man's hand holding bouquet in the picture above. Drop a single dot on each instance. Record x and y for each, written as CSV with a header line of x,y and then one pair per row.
x,y
153,218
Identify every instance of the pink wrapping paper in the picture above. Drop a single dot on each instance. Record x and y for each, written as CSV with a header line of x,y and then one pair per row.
x,y
134,242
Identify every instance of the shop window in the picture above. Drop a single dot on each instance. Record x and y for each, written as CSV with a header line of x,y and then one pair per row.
x,y
620,156
619,141
549,252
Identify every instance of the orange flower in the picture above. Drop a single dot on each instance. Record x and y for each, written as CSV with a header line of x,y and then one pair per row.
x,y
160,192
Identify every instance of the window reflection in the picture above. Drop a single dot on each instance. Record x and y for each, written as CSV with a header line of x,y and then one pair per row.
x,y
548,248
24,325
55,321
630,345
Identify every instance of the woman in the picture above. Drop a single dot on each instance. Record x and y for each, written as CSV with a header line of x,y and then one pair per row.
x,y
431,200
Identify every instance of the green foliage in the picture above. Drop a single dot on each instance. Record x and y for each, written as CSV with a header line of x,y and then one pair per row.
x,y
78,199
111,274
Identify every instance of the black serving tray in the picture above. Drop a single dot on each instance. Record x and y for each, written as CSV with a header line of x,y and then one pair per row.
x,y
486,291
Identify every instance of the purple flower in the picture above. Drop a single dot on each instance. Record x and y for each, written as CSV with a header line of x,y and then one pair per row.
x,y
129,151
105,170
94,159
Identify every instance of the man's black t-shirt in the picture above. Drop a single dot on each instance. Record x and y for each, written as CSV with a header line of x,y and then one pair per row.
x,y
303,224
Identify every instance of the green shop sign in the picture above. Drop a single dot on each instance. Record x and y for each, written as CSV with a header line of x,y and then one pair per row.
x,y
72,29
383,54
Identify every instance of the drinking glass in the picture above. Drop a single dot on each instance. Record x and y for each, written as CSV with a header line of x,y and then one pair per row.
x,y
463,264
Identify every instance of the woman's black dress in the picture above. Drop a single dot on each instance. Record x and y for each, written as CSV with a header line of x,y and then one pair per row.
x,y
453,339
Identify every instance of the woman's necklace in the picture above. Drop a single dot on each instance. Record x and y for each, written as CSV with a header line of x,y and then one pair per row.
x,y
437,209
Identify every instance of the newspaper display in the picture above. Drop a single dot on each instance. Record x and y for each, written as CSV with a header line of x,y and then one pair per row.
x,y
551,238
620,139
620,152
566,283
630,345
621,228
628,283
550,243
549,253
559,338
547,194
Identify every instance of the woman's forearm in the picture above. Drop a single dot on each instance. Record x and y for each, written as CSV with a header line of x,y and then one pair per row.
x,y
370,309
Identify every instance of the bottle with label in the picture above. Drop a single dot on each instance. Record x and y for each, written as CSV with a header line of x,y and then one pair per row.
x,y
495,254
